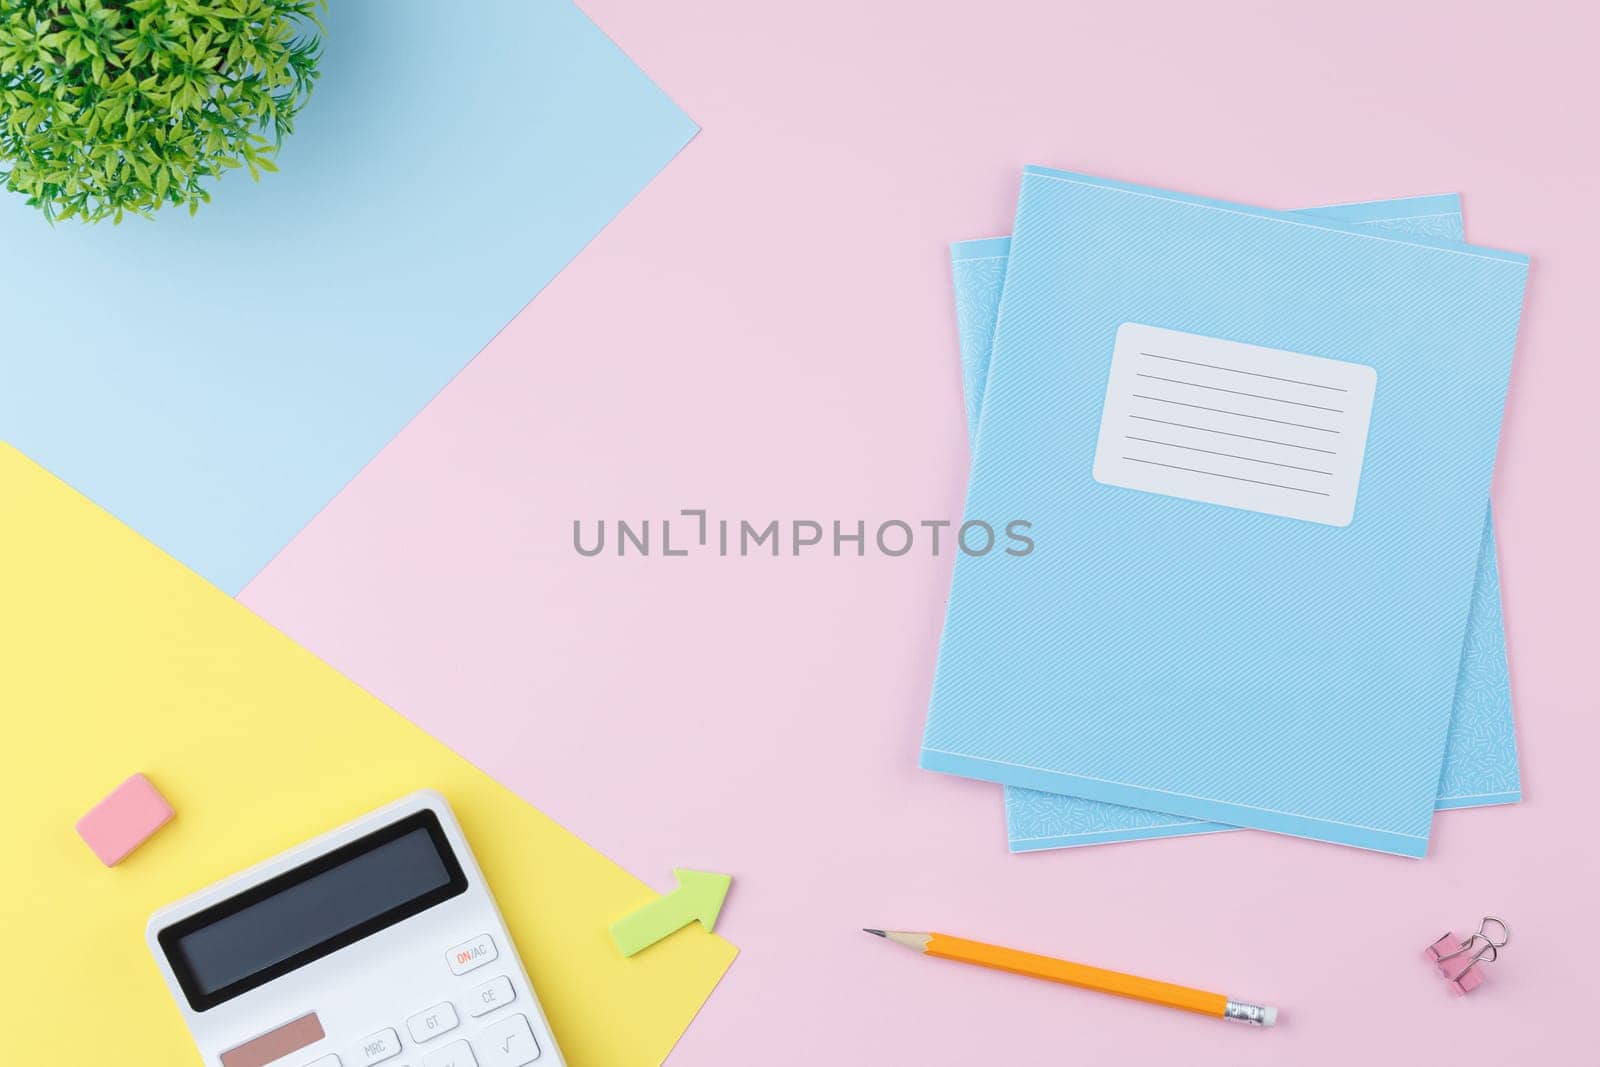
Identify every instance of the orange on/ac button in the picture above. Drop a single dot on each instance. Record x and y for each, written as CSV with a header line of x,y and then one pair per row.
x,y
470,955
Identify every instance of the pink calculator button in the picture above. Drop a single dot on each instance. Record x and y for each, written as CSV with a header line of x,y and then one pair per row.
x,y
124,820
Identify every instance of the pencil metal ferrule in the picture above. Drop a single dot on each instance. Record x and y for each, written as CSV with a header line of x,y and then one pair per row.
x,y
1240,1011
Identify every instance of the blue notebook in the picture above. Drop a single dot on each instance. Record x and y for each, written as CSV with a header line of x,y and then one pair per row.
x,y
1480,766
1187,399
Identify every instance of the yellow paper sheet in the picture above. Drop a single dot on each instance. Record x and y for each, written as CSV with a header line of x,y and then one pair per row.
x,y
115,659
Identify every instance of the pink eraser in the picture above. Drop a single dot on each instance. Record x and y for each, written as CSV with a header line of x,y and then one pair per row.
x,y
124,820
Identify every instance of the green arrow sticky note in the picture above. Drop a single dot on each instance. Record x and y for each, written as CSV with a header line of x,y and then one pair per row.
x,y
699,896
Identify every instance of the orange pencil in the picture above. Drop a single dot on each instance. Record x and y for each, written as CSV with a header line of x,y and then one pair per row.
x,y
1123,985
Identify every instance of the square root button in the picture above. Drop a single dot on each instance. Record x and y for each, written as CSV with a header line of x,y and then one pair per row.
x,y
509,1043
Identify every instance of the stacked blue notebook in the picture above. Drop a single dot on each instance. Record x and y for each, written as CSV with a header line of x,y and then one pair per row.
x,y
1255,450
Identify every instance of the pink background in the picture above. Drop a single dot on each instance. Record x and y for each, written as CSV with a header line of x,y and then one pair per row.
x,y
768,332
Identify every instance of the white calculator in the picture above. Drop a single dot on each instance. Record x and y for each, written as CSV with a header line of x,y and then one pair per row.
x,y
376,943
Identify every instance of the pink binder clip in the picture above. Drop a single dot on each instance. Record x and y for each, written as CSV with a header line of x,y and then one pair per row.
x,y
1458,957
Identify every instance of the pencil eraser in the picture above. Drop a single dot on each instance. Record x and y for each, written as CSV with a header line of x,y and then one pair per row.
x,y
124,820
1271,1017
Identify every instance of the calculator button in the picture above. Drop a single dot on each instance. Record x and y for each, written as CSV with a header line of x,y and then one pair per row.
x,y
470,955
455,1054
509,1043
427,1025
329,1060
495,993
375,1048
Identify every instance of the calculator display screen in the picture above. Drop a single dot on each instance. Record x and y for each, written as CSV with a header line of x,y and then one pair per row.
x,y
313,910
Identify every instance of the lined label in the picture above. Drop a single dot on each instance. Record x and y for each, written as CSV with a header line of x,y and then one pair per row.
x,y
1260,429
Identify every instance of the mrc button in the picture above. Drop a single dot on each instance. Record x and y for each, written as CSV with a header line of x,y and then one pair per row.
x,y
470,955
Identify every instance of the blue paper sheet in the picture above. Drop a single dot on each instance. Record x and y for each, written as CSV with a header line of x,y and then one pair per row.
x,y
214,381
1176,643
1480,766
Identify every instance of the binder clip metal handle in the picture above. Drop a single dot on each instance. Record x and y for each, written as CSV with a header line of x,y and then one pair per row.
x,y
1457,958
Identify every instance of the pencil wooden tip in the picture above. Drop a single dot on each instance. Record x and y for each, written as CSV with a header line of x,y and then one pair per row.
x,y
880,933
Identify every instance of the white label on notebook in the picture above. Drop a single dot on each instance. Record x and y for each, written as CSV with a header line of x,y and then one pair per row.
x,y
1234,424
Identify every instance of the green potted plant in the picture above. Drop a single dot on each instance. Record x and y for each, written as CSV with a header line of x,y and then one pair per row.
x,y
116,106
